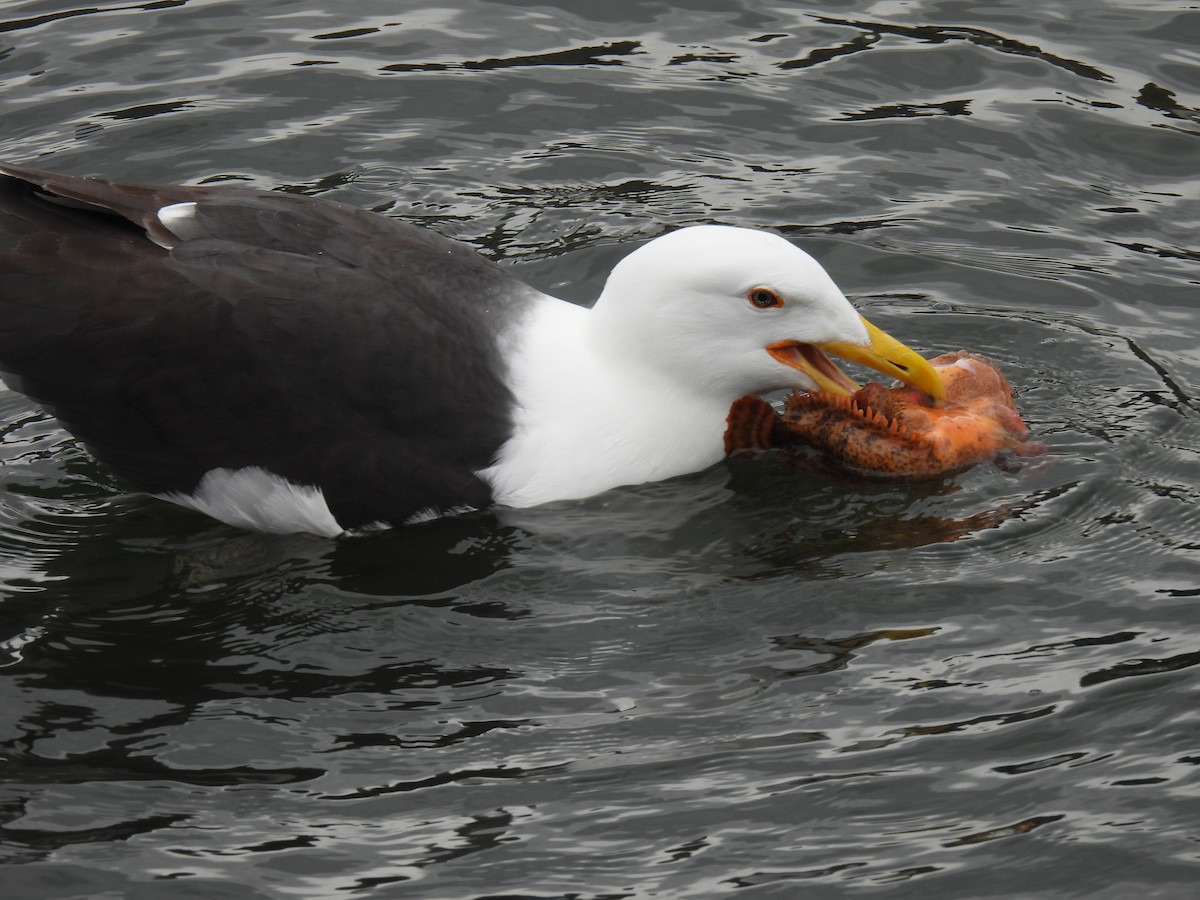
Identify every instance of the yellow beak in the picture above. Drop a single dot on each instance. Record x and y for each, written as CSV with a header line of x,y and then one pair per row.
x,y
883,353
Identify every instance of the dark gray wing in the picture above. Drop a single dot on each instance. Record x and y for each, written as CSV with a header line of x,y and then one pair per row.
x,y
331,346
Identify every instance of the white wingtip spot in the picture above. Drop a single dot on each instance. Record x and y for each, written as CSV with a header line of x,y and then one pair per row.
x,y
176,212
179,219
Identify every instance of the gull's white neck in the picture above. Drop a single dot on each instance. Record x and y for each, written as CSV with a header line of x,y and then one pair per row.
x,y
592,415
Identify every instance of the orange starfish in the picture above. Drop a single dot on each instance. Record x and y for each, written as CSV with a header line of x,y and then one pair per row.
x,y
894,432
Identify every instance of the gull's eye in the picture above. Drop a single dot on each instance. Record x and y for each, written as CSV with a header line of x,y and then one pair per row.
x,y
762,298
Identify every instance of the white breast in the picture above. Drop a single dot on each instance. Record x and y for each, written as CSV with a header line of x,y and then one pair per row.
x,y
586,423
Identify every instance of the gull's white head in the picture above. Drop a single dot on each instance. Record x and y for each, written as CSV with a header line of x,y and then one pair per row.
x,y
733,311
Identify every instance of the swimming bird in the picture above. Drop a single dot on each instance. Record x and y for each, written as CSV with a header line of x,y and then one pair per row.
x,y
286,363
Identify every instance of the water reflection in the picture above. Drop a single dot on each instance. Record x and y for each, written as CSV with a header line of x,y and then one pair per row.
x,y
25,845
938,34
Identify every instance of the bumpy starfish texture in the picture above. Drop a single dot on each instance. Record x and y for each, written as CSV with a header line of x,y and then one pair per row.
x,y
894,432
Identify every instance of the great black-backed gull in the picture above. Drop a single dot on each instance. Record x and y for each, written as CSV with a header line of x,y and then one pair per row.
x,y
289,364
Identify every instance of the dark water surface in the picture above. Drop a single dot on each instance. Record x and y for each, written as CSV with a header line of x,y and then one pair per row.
x,y
741,683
